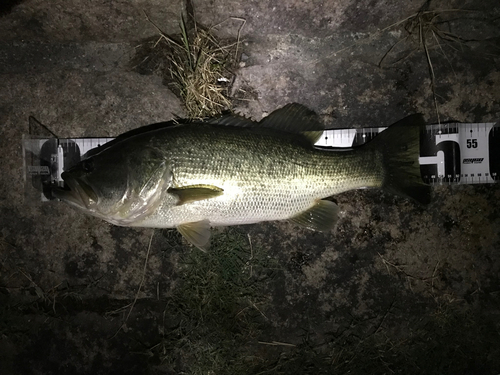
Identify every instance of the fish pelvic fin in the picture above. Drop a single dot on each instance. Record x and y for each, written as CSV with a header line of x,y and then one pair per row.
x,y
399,149
321,217
196,233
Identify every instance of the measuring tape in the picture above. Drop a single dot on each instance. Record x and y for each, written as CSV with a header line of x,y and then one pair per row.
x,y
453,153
45,159
449,153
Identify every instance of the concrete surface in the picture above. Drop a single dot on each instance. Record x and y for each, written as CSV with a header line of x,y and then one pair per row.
x,y
396,288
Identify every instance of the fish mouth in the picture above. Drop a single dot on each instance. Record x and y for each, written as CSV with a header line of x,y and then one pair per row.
x,y
76,192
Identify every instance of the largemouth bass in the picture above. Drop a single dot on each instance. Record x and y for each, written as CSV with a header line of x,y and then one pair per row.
x,y
231,171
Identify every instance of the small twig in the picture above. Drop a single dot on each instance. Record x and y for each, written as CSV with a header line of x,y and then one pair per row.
x,y
434,275
431,69
390,50
38,290
244,21
261,313
162,34
400,269
277,343
444,54
383,318
118,310
138,289
251,255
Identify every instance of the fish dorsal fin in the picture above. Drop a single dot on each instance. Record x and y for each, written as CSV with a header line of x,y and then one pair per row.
x,y
294,118
232,120
193,193
196,233
321,217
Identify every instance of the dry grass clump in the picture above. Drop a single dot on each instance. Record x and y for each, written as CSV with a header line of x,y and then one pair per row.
x,y
198,67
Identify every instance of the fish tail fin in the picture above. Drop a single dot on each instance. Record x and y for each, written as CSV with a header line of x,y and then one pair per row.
x,y
399,149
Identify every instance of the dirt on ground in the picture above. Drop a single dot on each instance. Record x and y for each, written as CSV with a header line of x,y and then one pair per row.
x,y
396,287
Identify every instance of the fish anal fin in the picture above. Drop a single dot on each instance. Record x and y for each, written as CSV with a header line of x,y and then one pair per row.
x,y
293,118
193,193
321,217
196,233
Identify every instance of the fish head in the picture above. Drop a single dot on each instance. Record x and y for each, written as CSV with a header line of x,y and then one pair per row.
x,y
119,185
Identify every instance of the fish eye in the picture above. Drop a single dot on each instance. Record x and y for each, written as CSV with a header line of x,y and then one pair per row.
x,y
88,165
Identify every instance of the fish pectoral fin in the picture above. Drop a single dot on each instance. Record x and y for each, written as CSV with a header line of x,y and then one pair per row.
x,y
196,233
293,118
321,217
187,194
